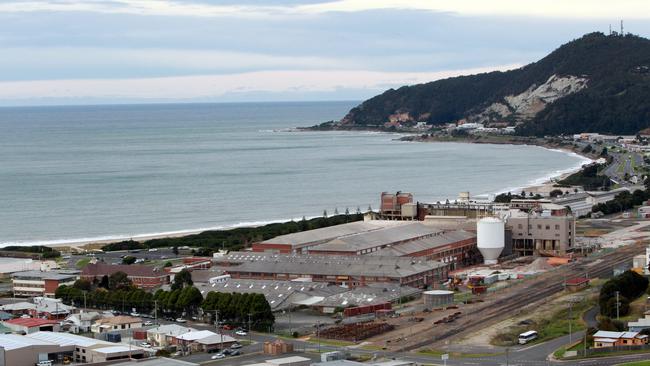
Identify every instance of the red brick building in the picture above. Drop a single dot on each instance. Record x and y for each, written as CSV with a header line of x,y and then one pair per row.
x,y
141,276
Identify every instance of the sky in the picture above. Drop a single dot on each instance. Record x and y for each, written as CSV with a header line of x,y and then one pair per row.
x,y
147,51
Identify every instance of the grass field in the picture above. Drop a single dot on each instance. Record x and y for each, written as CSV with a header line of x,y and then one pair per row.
x,y
551,327
638,363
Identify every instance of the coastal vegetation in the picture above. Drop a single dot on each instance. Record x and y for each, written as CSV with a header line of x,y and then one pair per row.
x,y
237,238
588,177
622,202
629,285
613,98
35,250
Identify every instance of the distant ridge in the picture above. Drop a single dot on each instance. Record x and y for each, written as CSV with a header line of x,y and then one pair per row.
x,y
597,83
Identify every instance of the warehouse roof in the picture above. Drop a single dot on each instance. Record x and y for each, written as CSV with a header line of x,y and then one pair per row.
x,y
279,294
378,238
325,234
329,265
217,338
369,295
419,245
13,341
23,305
66,339
115,349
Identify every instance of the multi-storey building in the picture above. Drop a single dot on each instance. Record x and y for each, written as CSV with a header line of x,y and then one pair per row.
x,y
37,283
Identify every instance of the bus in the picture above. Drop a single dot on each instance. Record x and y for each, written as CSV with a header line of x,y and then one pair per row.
x,y
527,336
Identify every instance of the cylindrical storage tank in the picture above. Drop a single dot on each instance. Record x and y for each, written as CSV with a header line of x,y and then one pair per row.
x,y
490,238
409,210
437,298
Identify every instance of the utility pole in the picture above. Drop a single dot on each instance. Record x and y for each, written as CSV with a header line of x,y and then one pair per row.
x,y
250,335
84,300
570,321
617,306
507,354
155,311
318,335
216,323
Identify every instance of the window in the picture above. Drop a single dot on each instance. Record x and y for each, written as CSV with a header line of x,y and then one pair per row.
x,y
548,227
520,226
557,227
539,227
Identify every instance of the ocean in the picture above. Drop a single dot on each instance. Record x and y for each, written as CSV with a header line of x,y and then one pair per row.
x,y
84,173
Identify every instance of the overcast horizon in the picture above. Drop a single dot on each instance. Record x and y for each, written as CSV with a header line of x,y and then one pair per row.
x,y
71,52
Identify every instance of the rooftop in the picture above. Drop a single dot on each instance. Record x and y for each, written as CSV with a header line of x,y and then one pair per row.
x,y
158,361
171,329
133,270
381,266
43,275
12,341
419,245
120,319
31,322
193,336
213,339
377,238
322,235
66,339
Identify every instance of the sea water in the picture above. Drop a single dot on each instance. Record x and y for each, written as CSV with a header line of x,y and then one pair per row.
x,y
102,172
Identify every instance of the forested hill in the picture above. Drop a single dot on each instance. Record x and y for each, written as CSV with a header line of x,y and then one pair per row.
x,y
597,83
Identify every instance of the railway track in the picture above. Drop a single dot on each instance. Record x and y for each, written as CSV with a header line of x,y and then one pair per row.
x,y
528,293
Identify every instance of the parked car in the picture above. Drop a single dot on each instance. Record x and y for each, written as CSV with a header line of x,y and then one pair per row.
x,y
228,327
235,352
241,333
218,356
177,354
226,351
135,314
235,346
181,320
147,323
145,344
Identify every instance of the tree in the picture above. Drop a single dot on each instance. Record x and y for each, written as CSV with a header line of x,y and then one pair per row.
x,y
555,193
128,260
104,282
82,284
119,281
175,250
181,279
324,213
168,264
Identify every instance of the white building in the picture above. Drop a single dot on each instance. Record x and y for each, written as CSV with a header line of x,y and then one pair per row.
x,y
37,283
162,336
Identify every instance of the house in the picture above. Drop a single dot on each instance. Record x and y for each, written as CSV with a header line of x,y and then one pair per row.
x,y
204,340
81,323
32,325
142,276
604,339
164,335
641,324
122,324
18,308
50,308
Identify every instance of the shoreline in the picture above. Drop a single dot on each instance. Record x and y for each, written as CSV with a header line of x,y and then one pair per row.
x,y
536,185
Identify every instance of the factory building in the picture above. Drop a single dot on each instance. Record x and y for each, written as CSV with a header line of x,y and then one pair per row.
x,y
541,233
381,238
301,241
346,270
398,206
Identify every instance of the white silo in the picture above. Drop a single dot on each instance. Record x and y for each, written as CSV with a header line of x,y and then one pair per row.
x,y
490,238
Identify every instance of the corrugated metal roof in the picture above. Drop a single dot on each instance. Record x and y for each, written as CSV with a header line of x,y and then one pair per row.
x,y
12,341
328,233
66,339
377,238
